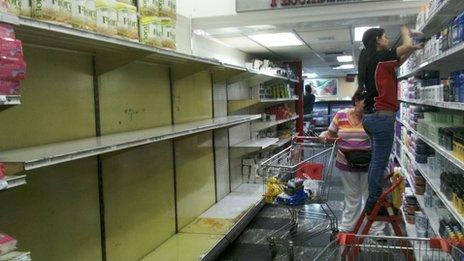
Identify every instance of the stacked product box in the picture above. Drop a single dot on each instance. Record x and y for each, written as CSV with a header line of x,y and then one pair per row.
x,y
158,23
12,64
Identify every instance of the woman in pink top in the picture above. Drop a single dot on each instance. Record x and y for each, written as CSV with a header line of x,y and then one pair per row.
x,y
352,162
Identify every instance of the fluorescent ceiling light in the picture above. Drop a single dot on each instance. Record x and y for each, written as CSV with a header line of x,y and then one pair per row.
x,y
345,67
278,39
359,32
310,75
345,58
200,32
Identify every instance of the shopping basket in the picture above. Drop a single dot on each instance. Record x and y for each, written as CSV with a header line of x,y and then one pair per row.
x,y
388,248
308,160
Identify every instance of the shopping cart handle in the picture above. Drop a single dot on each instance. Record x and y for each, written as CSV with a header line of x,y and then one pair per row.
x,y
317,139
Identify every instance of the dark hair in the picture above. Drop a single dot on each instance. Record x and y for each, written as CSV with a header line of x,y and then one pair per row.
x,y
308,89
370,47
359,95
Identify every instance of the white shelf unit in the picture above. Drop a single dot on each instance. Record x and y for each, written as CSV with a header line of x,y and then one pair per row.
x,y
15,181
46,155
8,100
451,58
66,37
16,256
263,143
436,147
261,125
435,185
434,182
445,105
282,142
441,16
431,216
278,100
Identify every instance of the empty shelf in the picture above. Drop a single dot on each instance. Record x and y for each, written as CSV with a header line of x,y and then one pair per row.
x,y
50,154
257,144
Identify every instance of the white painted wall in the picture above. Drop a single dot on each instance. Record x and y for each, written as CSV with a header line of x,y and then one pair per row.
x,y
205,8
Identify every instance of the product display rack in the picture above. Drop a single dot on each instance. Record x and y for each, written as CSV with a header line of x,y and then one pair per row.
x,y
46,155
260,125
451,58
104,47
431,216
261,144
427,175
445,153
459,106
15,181
234,105
439,17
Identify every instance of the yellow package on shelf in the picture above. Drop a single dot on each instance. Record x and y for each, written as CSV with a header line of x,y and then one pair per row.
x,y
133,24
148,7
167,8
168,38
64,11
90,15
398,192
14,6
106,17
151,31
122,25
45,9
78,14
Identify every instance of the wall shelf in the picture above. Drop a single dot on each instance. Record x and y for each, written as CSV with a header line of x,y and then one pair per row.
x,y
261,125
282,142
445,105
445,153
50,154
235,105
441,16
15,181
256,144
257,77
8,100
113,52
435,185
451,58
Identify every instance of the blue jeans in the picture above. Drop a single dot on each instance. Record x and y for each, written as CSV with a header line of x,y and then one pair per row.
x,y
381,131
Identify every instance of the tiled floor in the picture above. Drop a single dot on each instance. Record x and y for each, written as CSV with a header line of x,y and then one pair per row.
x,y
253,245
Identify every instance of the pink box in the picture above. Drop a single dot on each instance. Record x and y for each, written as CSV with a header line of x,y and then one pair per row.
x,y
12,69
10,47
7,31
10,87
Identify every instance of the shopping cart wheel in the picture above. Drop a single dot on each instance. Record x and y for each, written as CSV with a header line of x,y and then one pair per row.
x,y
272,247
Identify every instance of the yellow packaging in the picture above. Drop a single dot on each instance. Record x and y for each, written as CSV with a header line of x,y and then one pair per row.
x,y
151,31
78,14
168,37
26,9
167,8
14,6
45,9
274,188
148,7
90,15
106,17
133,25
64,11
122,22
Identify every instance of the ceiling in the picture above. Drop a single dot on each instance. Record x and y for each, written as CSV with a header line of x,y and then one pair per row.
x,y
327,32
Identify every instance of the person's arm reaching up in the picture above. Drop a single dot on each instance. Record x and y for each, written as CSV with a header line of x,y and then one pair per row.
x,y
407,48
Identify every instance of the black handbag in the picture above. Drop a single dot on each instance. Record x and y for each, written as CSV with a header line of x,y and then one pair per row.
x,y
358,158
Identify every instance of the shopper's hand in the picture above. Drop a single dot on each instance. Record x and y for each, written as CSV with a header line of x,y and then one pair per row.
x,y
405,30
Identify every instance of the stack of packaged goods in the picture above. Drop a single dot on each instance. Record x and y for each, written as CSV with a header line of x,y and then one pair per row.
x,y
451,36
8,247
279,112
427,11
12,64
276,90
410,206
452,232
17,7
158,23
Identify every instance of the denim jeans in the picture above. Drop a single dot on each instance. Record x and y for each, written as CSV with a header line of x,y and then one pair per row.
x,y
381,130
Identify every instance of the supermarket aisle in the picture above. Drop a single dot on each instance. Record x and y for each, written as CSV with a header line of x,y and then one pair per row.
x,y
252,244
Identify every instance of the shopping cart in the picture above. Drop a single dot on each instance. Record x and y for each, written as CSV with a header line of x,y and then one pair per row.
x,y
309,159
383,248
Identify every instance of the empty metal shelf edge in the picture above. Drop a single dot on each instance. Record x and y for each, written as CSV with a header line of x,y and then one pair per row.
x,y
50,154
